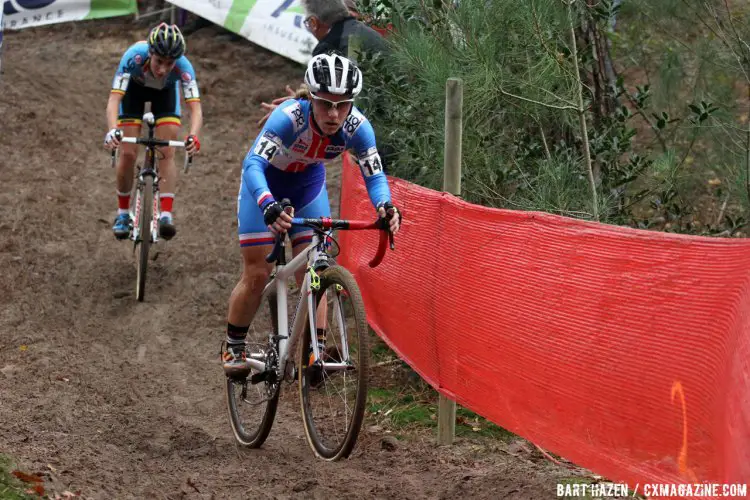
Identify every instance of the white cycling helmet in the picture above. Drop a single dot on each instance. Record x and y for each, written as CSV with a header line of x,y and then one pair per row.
x,y
333,74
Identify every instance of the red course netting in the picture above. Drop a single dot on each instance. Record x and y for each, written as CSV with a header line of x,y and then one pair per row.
x,y
625,351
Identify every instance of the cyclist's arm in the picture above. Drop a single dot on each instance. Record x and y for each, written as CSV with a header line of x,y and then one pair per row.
x,y
276,135
113,109
196,117
191,93
120,84
367,156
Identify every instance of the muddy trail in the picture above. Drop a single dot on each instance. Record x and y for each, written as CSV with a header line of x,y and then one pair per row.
x,y
119,399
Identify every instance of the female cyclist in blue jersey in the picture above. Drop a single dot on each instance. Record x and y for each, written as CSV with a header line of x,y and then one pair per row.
x,y
151,71
287,161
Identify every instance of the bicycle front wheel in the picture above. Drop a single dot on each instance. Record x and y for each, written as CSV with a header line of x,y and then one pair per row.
x,y
144,235
333,389
252,407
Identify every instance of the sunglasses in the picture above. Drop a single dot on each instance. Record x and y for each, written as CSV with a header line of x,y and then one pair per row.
x,y
331,104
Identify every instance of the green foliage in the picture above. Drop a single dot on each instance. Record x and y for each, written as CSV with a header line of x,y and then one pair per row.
x,y
665,96
10,487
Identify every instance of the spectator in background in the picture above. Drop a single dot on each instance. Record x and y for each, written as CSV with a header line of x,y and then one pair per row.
x,y
332,23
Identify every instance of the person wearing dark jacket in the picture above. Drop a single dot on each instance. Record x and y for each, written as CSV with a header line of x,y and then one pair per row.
x,y
332,23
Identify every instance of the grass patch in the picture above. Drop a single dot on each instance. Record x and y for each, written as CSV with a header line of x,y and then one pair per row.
x,y
10,487
379,350
405,409
399,400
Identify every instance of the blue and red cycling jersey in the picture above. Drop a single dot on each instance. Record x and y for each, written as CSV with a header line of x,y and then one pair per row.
x,y
287,161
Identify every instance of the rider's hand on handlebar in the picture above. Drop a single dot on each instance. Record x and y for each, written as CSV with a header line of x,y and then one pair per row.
x,y
388,211
111,140
192,144
276,218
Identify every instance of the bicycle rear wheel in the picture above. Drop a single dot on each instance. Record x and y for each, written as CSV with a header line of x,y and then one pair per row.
x,y
144,235
252,407
333,399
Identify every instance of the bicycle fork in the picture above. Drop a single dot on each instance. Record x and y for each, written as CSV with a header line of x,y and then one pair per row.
x,y
136,217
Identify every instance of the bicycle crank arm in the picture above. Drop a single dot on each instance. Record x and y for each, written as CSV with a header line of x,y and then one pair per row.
x,y
259,366
337,367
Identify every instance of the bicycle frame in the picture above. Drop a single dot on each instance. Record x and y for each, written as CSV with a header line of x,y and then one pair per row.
x,y
150,168
288,338
278,285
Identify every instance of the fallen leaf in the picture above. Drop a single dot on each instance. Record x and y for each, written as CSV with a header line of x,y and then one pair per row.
x,y
51,468
63,379
23,347
476,429
27,478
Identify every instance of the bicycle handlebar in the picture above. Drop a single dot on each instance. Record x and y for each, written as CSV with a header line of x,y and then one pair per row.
x,y
153,143
322,223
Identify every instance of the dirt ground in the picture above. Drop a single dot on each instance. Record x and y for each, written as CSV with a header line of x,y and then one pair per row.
x,y
119,399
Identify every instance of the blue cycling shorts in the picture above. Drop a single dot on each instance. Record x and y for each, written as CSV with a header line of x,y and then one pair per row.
x,y
307,192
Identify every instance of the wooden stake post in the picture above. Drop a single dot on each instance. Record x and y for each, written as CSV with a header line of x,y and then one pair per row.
x,y
454,97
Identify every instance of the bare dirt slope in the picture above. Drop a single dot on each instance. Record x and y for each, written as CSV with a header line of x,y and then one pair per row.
x,y
120,399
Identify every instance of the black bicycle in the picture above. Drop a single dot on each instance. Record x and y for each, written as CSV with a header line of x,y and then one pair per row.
x,y
145,211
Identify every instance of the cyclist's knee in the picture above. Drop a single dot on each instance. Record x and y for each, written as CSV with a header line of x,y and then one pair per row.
x,y
168,132
255,275
168,154
255,269
128,155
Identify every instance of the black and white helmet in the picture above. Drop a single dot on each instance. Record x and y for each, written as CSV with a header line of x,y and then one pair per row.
x,y
334,74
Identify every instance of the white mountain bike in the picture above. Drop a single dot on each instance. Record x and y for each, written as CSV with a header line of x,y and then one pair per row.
x,y
331,372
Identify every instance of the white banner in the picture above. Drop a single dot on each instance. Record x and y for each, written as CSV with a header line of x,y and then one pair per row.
x,y
27,13
273,24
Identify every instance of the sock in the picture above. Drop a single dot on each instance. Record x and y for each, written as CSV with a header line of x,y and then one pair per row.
x,y
236,334
166,199
123,203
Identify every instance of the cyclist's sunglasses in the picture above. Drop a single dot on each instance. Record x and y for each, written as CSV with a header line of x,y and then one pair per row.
x,y
331,104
